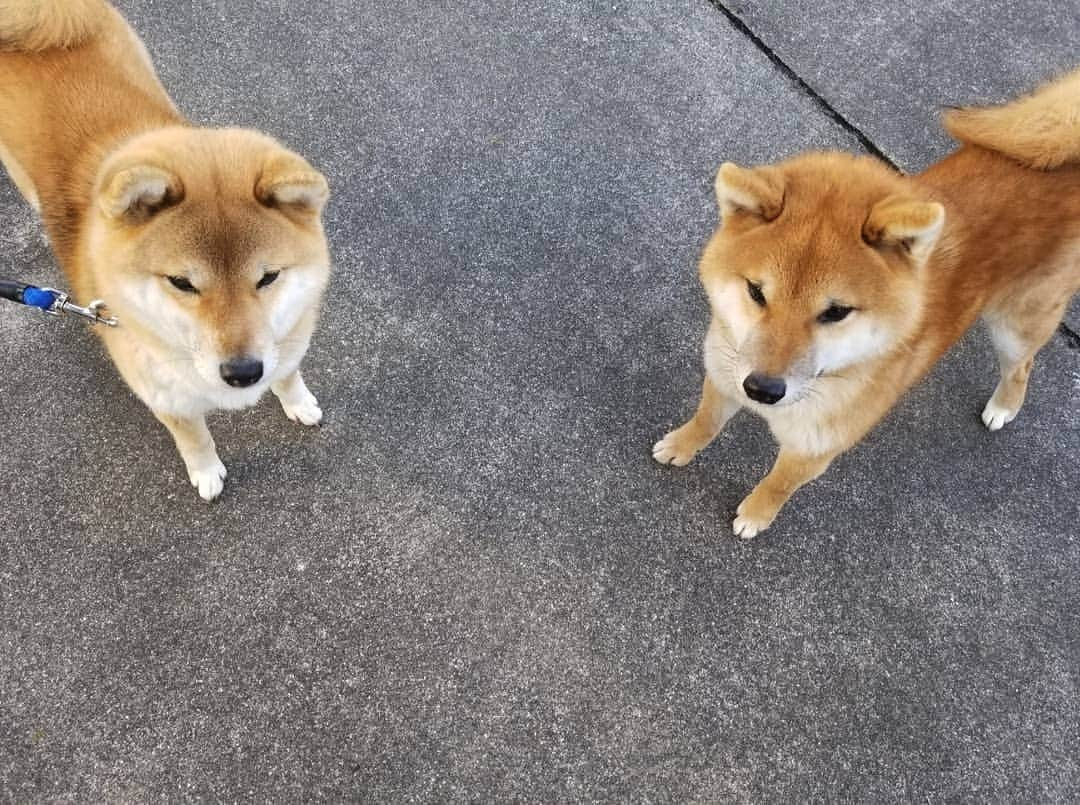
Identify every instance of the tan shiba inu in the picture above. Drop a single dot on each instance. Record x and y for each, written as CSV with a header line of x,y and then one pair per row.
x,y
835,283
206,244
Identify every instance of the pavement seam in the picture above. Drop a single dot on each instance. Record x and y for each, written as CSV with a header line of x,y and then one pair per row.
x,y
1072,338
830,110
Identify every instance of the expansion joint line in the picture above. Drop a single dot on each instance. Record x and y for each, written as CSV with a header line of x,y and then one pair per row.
x,y
826,107
1072,338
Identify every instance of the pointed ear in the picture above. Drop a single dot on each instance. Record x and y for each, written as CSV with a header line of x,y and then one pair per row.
x,y
289,183
136,193
758,191
905,224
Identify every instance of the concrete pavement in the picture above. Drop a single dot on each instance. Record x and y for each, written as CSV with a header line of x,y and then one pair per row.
x,y
473,582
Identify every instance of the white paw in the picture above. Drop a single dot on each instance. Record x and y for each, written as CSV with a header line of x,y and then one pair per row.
x,y
208,480
995,417
747,527
668,451
306,412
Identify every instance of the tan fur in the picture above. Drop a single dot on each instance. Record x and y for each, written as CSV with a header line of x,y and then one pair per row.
x,y
918,259
131,194
33,25
1041,130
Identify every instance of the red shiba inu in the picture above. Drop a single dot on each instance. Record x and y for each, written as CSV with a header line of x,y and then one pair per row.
x,y
206,244
835,283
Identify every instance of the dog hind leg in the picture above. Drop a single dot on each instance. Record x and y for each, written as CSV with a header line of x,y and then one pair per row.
x,y
1017,336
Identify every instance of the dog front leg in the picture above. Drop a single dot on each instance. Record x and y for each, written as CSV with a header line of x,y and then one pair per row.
x,y
298,403
760,507
682,444
196,446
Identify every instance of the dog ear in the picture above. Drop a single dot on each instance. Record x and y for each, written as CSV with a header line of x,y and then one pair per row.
x,y
288,183
135,193
758,191
911,226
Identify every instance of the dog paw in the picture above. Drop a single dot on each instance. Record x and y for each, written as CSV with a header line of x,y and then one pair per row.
x,y
995,417
673,450
208,480
306,411
748,522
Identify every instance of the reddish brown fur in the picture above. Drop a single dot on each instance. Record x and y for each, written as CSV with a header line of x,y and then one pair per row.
x,y
831,229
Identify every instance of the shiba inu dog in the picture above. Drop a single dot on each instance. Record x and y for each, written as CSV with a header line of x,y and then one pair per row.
x,y
206,244
835,283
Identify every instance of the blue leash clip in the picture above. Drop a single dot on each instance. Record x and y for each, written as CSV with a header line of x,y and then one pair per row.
x,y
54,302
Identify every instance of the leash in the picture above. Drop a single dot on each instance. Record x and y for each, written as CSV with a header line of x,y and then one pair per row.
x,y
53,302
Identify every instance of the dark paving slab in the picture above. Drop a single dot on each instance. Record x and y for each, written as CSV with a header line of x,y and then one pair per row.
x,y
890,68
473,582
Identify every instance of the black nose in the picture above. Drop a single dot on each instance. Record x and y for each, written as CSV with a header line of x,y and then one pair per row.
x,y
764,389
242,372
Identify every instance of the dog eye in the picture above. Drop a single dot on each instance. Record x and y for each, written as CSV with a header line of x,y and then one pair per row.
x,y
267,279
834,313
755,293
182,284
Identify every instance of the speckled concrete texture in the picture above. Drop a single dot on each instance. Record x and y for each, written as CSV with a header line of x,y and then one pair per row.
x,y
473,583
890,68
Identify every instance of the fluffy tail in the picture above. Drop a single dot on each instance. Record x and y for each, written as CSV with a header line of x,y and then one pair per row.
x,y
1041,130
43,24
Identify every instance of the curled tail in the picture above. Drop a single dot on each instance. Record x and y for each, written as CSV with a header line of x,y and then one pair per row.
x,y
1041,130
42,24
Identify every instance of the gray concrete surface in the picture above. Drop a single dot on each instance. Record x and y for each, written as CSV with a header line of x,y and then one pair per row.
x,y
890,68
472,582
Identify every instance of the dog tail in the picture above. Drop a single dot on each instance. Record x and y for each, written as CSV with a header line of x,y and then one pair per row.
x,y
1041,130
33,25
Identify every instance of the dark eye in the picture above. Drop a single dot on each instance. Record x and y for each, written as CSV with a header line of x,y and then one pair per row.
x,y
755,293
182,284
267,279
834,313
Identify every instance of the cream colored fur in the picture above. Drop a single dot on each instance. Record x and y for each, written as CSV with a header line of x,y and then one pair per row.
x,y
34,25
137,202
1041,130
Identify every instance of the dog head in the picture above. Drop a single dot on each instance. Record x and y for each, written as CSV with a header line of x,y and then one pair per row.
x,y
211,242
816,268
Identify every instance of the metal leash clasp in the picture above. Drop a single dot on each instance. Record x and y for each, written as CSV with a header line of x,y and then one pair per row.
x,y
93,312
